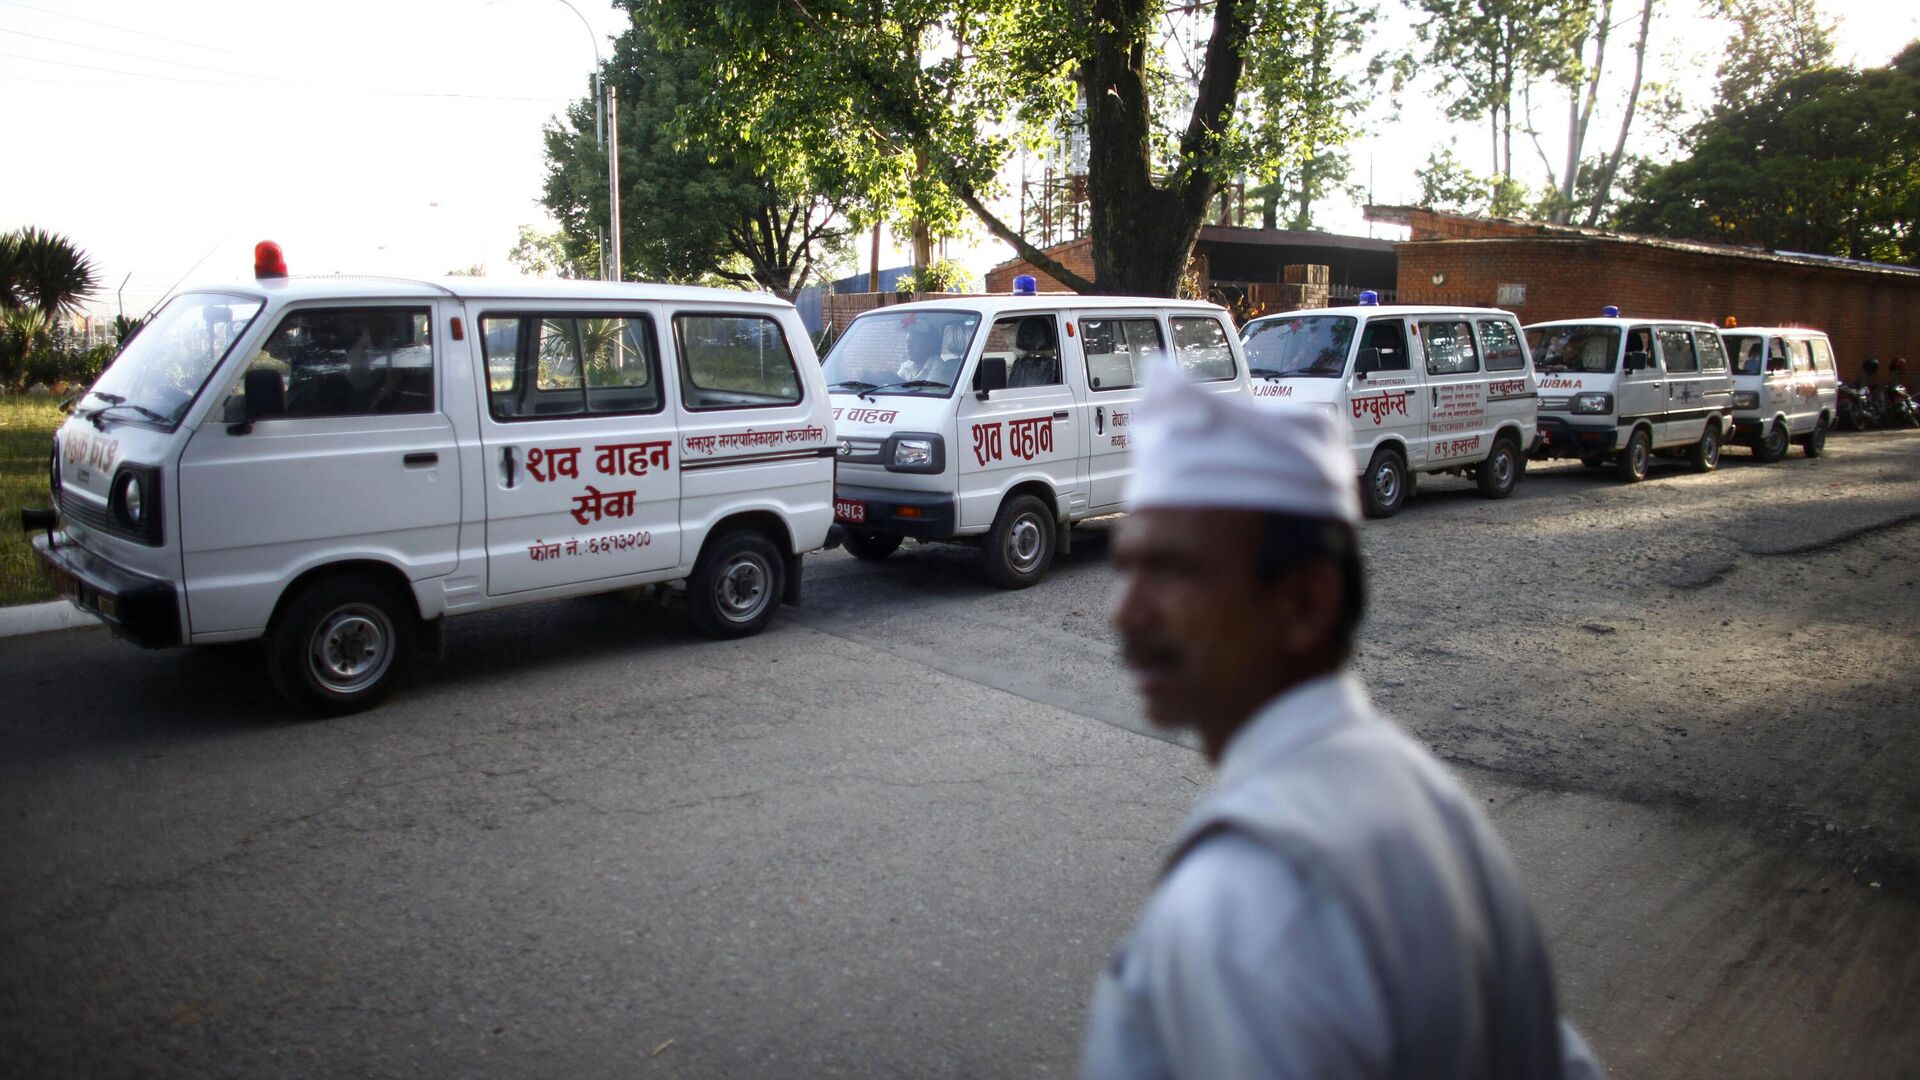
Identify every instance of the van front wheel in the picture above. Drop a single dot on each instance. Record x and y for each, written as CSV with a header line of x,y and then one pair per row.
x,y
1383,490
1019,548
339,644
1773,445
1501,471
1633,462
736,586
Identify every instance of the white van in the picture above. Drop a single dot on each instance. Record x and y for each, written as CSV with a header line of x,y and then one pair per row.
x,y
1002,420
1785,389
1620,390
1422,389
338,463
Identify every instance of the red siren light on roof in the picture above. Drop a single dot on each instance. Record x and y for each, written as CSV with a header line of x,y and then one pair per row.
x,y
268,260
1732,322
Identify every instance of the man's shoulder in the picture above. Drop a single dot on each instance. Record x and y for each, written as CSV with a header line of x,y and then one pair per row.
x,y
1226,886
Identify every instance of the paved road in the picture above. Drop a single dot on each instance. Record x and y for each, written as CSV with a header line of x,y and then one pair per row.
x,y
897,833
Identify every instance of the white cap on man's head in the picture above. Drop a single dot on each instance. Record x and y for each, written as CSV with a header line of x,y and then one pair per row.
x,y
1197,449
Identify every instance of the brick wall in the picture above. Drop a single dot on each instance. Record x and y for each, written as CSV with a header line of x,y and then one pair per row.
x,y
1866,312
839,309
1075,255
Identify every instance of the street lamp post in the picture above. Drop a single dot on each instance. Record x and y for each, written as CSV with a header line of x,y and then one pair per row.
x,y
603,115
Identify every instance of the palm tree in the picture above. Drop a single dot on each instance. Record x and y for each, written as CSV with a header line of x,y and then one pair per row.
x,y
42,276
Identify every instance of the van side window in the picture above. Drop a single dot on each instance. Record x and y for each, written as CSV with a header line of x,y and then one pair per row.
x,y
1200,344
734,362
1501,342
1389,338
1777,355
1802,352
1031,349
1822,354
1118,350
1450,349
1713,357
554,365
351,361
1676,350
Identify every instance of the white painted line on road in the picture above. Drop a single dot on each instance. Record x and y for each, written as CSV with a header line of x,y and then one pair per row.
x,y
42,618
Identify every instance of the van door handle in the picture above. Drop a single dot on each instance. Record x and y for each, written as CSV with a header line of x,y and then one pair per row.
x,y
1060,414
506,461
1099,419
414,461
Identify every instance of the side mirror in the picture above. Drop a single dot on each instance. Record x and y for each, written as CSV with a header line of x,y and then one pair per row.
x,y
991,376
1366,360
263,397
1636,360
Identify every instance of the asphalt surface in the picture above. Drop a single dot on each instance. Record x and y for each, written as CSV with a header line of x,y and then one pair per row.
x,y
898,833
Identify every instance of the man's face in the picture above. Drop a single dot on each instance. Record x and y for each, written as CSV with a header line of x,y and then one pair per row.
x,y
1209,642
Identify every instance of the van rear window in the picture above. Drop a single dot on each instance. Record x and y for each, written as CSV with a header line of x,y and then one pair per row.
x,y
551,365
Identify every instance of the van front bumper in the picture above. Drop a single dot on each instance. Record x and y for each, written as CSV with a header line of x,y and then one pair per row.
x,y
916,514
1560,437
144,610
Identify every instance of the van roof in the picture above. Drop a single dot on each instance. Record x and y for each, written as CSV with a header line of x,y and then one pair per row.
x,y
992,304
362,287
1624,323
1367,310
1772,331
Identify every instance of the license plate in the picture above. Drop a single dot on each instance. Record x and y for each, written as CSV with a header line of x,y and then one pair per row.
x,y
850,511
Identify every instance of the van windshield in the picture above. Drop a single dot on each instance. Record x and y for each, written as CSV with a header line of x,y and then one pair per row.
x,y
156,377
915,353
1314,345
1590,349
1747,353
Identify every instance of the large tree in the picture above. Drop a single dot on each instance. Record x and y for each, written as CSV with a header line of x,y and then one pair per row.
x,y
697,201
42,277
949,87
1305,84
1826,161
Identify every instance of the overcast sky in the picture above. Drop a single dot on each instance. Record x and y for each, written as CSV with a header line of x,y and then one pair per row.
x,y
403,136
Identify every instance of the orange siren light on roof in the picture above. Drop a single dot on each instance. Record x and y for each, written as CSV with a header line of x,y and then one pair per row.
x,y
1732,322
268,260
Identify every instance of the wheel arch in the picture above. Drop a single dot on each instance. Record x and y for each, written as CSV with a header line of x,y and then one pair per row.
x,y
766,522
385,572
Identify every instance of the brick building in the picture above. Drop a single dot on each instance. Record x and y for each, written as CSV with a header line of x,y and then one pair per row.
x,y
1547,272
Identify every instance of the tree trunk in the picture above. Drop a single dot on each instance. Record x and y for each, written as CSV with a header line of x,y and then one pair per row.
x,y
1604,182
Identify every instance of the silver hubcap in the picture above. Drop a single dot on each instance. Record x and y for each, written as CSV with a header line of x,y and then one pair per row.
x,y
351,649
1776,439
1639,456
1710,450
1386,483
742,588
1024,541
1502,465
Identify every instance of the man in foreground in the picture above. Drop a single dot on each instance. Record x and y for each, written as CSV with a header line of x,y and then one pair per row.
x,y
1336,906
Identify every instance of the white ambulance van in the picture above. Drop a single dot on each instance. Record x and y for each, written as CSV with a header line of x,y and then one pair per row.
x,y
1785,389
1621,390
1422,389
1001,420
338,463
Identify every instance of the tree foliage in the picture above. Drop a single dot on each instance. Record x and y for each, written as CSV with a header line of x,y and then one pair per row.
x,y
1302,98
1772,40
42,277
1486,51
702,197
1825,161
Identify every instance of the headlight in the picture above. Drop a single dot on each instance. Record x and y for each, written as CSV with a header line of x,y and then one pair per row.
x,y
127,493
1592,404
914,452
1746,399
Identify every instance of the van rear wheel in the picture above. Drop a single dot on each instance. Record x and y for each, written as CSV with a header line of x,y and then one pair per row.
x,y
340,643
1705,454
736,585
1383,490
1498,475
1815,443
1019,547
869,545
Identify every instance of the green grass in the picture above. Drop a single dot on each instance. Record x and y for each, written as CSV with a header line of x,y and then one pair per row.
x,y
26,435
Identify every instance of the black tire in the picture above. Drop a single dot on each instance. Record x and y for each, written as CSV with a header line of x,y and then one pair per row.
x,y
736,585
340,643
1383,489
1705,454
870,545
1851,418
1815,443
1774,443
1632,464
1019,547
1500,473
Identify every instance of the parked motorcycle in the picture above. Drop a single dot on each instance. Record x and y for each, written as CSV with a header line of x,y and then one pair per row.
x,y
1858,408
1898,410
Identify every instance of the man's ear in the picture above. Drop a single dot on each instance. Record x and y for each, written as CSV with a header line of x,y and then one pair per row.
x,y
1307,601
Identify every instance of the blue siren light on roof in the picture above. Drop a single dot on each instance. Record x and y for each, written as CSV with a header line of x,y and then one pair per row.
x,y
1369,298
1025,285
1610,312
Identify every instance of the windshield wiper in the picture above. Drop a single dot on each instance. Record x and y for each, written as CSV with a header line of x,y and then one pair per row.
x,y
111,399
123,404
1270,373
910,384
852,384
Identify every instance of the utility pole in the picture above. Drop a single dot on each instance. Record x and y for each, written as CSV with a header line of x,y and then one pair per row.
x,y
613,174
602,104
